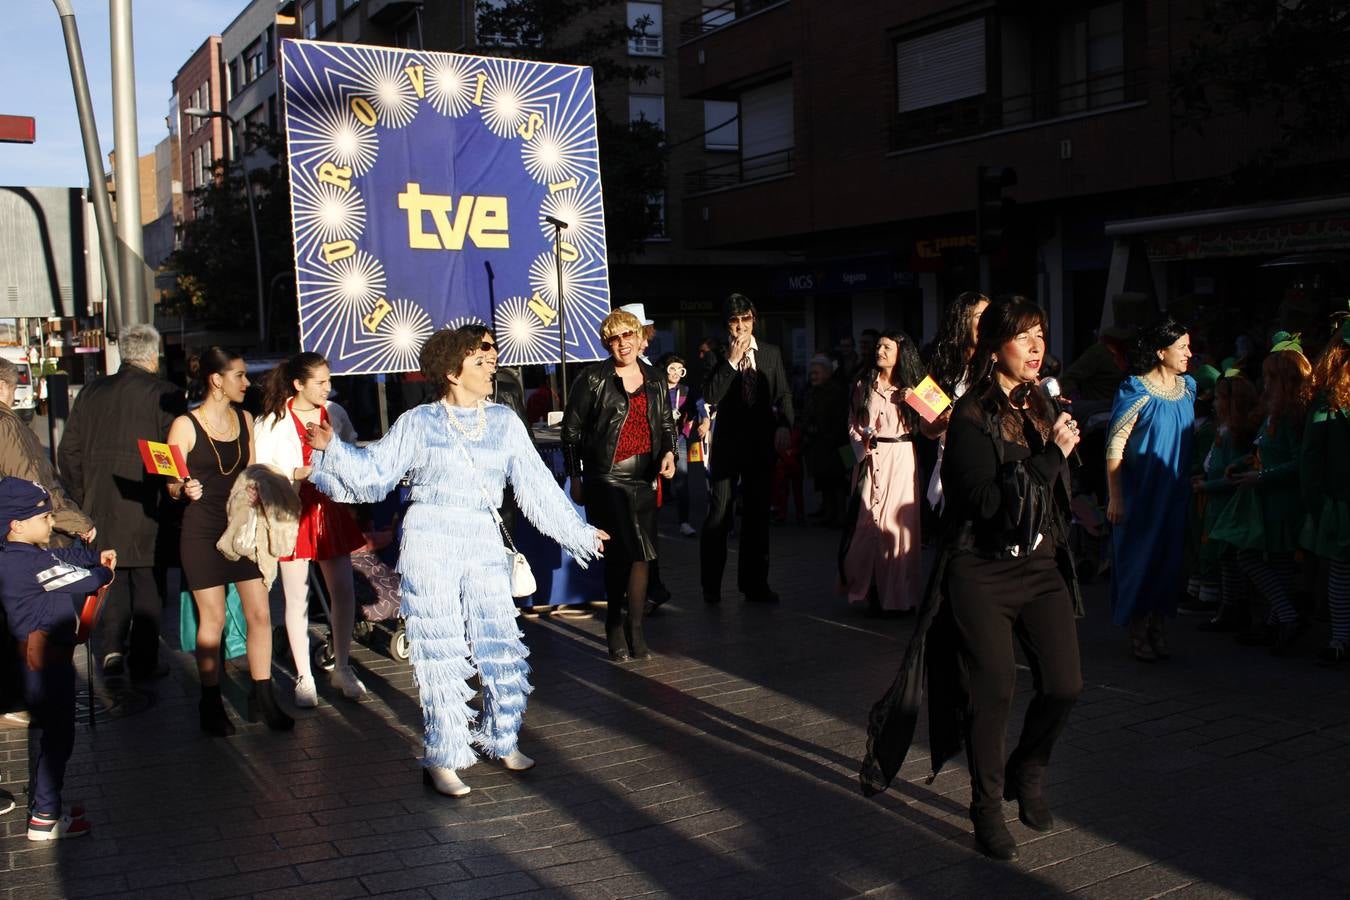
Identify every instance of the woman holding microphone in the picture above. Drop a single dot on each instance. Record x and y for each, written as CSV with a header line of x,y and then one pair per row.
x,y
1003,572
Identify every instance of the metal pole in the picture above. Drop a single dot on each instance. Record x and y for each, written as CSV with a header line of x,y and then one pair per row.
x,y
126,171
93,162
257,243
562,324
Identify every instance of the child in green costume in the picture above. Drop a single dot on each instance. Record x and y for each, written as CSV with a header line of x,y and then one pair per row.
x,y
1325,478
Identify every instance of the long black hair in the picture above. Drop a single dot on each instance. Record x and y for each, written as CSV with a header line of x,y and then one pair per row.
x,y
953,344
1153,337
211,361
908,372
279,383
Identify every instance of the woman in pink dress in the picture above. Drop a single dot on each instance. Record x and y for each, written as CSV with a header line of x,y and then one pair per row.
x,y
882,559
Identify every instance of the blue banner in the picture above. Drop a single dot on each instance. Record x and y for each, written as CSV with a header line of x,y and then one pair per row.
x,y
422,185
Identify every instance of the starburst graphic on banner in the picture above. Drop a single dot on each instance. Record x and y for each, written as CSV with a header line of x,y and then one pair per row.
x,y
521,337
508,98
381,80
461,321
584,213
332,297
397,341
326,130
450,84
324,213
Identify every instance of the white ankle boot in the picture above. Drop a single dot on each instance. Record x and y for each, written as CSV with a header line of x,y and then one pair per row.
x,y
445,781
516,761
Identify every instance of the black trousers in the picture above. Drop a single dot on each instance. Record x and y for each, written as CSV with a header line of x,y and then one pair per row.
x,y
131,618
993,601
752,574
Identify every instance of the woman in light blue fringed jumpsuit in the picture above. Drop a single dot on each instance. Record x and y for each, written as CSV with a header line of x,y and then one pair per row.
x,y
457,601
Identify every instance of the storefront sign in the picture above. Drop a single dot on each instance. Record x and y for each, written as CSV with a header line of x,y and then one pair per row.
x,y
1264,240
844,276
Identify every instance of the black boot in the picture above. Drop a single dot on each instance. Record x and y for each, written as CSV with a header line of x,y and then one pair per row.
x,y
637,641
991,834
1023,784
211,712
614,638
263,705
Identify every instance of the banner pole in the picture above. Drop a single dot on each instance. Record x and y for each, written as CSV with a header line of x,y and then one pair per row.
x,y
558,226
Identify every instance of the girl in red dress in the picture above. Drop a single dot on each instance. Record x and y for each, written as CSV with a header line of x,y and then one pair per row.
x,y
295,395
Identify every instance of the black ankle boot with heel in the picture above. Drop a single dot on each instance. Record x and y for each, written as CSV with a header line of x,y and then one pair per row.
x,y
211,712
991,833
1023,784
262,704
637,641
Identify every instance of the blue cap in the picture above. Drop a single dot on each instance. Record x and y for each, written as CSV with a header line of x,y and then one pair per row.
x,y
22,499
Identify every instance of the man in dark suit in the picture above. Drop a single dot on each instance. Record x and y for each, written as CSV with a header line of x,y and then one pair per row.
x,y
753,401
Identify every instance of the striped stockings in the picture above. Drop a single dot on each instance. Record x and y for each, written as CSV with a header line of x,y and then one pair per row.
x,y
1338,600
1273,577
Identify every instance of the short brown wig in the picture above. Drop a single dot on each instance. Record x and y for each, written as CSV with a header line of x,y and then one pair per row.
x,y
444,353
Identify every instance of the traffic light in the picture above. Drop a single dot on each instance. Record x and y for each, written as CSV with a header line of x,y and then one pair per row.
x,y
991,206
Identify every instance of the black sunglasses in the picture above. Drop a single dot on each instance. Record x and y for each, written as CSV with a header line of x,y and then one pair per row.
x,y
486,346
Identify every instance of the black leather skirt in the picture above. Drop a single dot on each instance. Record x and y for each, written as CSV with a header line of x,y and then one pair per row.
x,y
623,503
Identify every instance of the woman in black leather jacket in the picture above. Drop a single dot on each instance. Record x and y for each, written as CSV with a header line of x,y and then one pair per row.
x,y
617,436
1003,571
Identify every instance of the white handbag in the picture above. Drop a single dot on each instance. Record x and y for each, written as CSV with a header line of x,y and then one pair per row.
x,y
522,577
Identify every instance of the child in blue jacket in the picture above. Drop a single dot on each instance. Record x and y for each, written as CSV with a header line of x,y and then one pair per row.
x,y
41,590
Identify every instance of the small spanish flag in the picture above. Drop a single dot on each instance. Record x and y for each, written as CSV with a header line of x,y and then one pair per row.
x,y
163,459
928,400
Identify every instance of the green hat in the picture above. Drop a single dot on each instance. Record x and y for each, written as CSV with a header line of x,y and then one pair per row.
x,y
1205,378
1283,340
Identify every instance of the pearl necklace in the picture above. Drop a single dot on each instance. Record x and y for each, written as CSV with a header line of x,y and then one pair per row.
x,y
479,426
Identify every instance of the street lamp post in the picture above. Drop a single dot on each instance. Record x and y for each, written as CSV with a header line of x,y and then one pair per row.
x,y
252,212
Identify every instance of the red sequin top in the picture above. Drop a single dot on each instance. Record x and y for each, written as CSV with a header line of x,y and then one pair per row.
x,y
635,437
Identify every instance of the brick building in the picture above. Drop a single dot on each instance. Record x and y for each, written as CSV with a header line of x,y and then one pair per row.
x,y
199,84
862,127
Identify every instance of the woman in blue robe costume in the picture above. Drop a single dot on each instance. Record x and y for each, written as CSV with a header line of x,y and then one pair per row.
x,y
457,603
1148,459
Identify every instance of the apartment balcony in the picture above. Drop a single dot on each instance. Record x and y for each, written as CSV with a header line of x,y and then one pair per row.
x,y
985,115
735,44
646,45
740,171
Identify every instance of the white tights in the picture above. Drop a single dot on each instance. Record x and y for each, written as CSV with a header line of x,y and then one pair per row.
x,y
337,577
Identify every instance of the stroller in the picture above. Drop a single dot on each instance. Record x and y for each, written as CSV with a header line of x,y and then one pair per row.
x,y
378,621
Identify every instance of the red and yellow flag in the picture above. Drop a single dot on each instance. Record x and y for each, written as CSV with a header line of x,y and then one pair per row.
x,y
928,400
163,459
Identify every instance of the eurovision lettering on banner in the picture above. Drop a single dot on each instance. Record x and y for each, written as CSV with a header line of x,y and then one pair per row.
x,y
421,188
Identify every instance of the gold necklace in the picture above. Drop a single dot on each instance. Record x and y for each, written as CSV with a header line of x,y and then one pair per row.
x,y
211,440
479,426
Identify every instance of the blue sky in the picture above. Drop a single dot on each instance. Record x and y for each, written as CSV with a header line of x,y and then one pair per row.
x,y
35,77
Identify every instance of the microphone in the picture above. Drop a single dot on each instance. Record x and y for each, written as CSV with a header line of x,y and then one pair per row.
x,y
1055,394
556,223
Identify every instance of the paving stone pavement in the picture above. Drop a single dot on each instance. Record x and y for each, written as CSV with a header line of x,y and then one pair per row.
x,y
726,767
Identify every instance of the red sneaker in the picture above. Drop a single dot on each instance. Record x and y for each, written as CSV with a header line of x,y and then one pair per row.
x,y
46,828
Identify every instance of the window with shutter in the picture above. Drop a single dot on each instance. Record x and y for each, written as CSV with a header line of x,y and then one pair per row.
x,y
767,136
940,67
